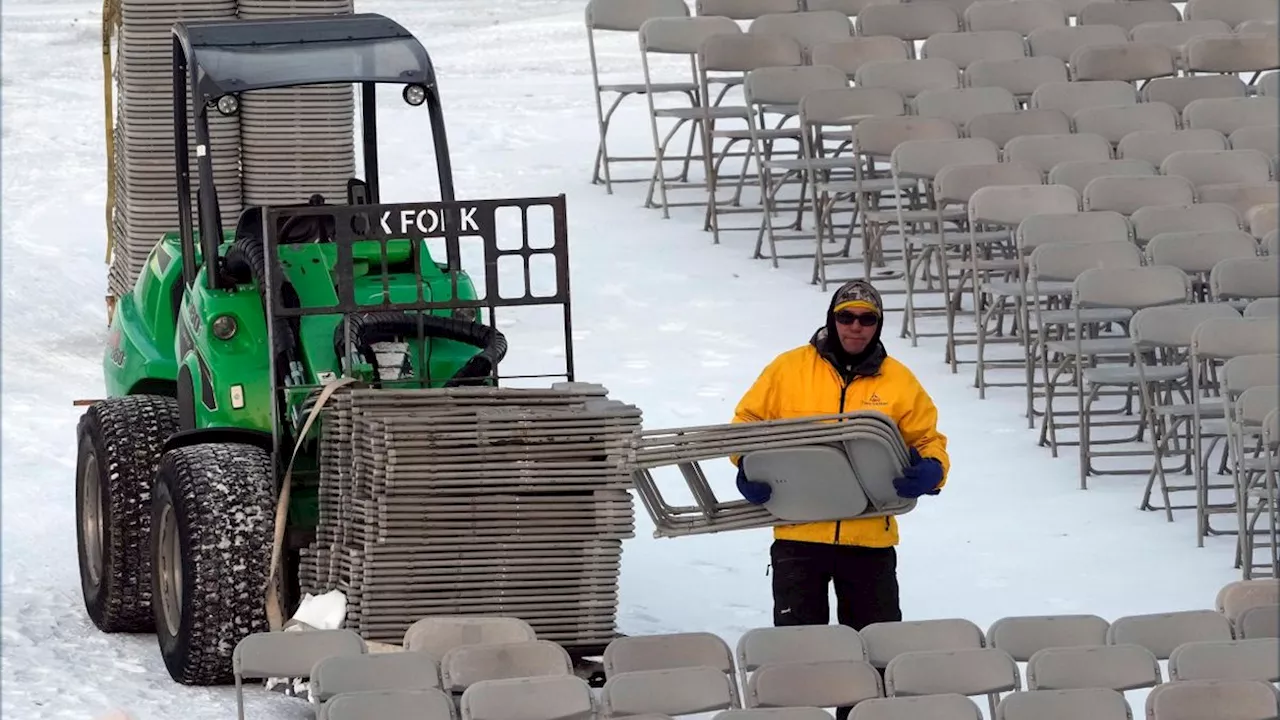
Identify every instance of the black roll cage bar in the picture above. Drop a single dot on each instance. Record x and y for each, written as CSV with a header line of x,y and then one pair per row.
x,y
189,38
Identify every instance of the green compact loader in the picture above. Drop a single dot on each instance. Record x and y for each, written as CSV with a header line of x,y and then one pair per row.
x,y
220,354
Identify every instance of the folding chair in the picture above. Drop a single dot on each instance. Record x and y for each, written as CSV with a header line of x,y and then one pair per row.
x,y
288,654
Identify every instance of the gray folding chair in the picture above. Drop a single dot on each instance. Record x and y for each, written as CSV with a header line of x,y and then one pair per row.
x,y
624,16
1226,660
287,654
1162,633
560,697
968,672
1113,667
339,674
829,683
1195,699
798,643
1092,703
1025,635
390,705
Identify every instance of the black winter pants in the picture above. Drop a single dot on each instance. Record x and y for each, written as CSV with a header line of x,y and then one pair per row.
x,y
865,579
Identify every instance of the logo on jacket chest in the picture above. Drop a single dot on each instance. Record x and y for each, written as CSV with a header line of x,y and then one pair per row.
x,y
875,401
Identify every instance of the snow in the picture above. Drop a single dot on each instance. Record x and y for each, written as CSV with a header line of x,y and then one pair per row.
x,y
662,317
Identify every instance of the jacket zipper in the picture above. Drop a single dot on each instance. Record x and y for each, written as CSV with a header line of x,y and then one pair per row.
x,y
844,389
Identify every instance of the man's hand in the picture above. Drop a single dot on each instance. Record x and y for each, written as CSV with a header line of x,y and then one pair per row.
x,y
756,493
922,477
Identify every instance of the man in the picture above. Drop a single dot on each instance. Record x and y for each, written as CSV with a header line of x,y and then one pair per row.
x,y
843,368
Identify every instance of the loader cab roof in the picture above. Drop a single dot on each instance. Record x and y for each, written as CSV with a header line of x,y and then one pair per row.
x,y
234,56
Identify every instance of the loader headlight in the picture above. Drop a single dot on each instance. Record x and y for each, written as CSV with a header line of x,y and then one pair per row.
x,y
228,105
224,327
415,94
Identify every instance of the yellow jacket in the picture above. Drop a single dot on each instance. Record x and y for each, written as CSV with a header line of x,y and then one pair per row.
x,y
802,382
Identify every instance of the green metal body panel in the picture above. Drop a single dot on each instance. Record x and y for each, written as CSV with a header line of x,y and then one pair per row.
x,y
162,327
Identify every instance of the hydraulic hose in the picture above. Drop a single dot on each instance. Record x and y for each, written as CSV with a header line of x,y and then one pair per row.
x,y
370,328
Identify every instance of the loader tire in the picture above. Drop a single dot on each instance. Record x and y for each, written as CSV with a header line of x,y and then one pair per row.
x,y
213,515
120,441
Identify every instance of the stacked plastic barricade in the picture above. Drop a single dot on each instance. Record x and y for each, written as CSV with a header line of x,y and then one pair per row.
x,y
146,206
475,502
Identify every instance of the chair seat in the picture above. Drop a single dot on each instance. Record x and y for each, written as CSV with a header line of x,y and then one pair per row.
x,y
1125,374
1093,346
766,133
923,215
631,88
851,186
953,239
827,163
697,113
1186,410
1089,315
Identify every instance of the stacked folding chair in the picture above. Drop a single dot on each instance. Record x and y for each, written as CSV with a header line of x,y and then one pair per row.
x,y
477,501
144,163
298,141
820,468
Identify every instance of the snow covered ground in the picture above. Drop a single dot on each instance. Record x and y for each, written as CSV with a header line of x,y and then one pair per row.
x,y
663,318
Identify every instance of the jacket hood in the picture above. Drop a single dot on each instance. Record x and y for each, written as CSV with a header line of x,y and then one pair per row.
x,y
827,342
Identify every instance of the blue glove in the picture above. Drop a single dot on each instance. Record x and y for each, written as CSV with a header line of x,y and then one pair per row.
x,y
922,477
756,493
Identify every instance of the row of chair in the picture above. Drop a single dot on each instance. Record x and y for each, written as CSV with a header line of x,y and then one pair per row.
x,y
824,666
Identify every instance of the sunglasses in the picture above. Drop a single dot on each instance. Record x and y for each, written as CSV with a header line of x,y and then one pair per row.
x,y
844,317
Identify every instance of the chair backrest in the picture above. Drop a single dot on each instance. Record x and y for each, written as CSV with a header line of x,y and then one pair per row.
x,y
924,158
1118,667
788,85
438,634
1114,123
1008,205
672,691
1022,636
849,54
1224,338
1060,42
798,643
1210,167
1226,115
1252,409
389,705
791,713
1063,262
887,640
925,707
832,683
851,8
1228,53
1020,76
1181,91
1076,174
912,21
1071,97
963,48
1092,703
1262,621
1232,12
1161,633
682,35
673,650
1133,14
1128,62
1237,596
878,136
1170,326
1263,307
1226,660
957,183
1198,251
1125,194
1021,16
1245,277
468,664
909,77
746,9
1256,137
291,653
1155,146
1131,288
1043,152
1226,699
808,28
1152,220
841,106
972,671
629,15
1262,219
1002,127
960,105
1175,34
739,52
1244,371
564,697
374,671
1240,196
